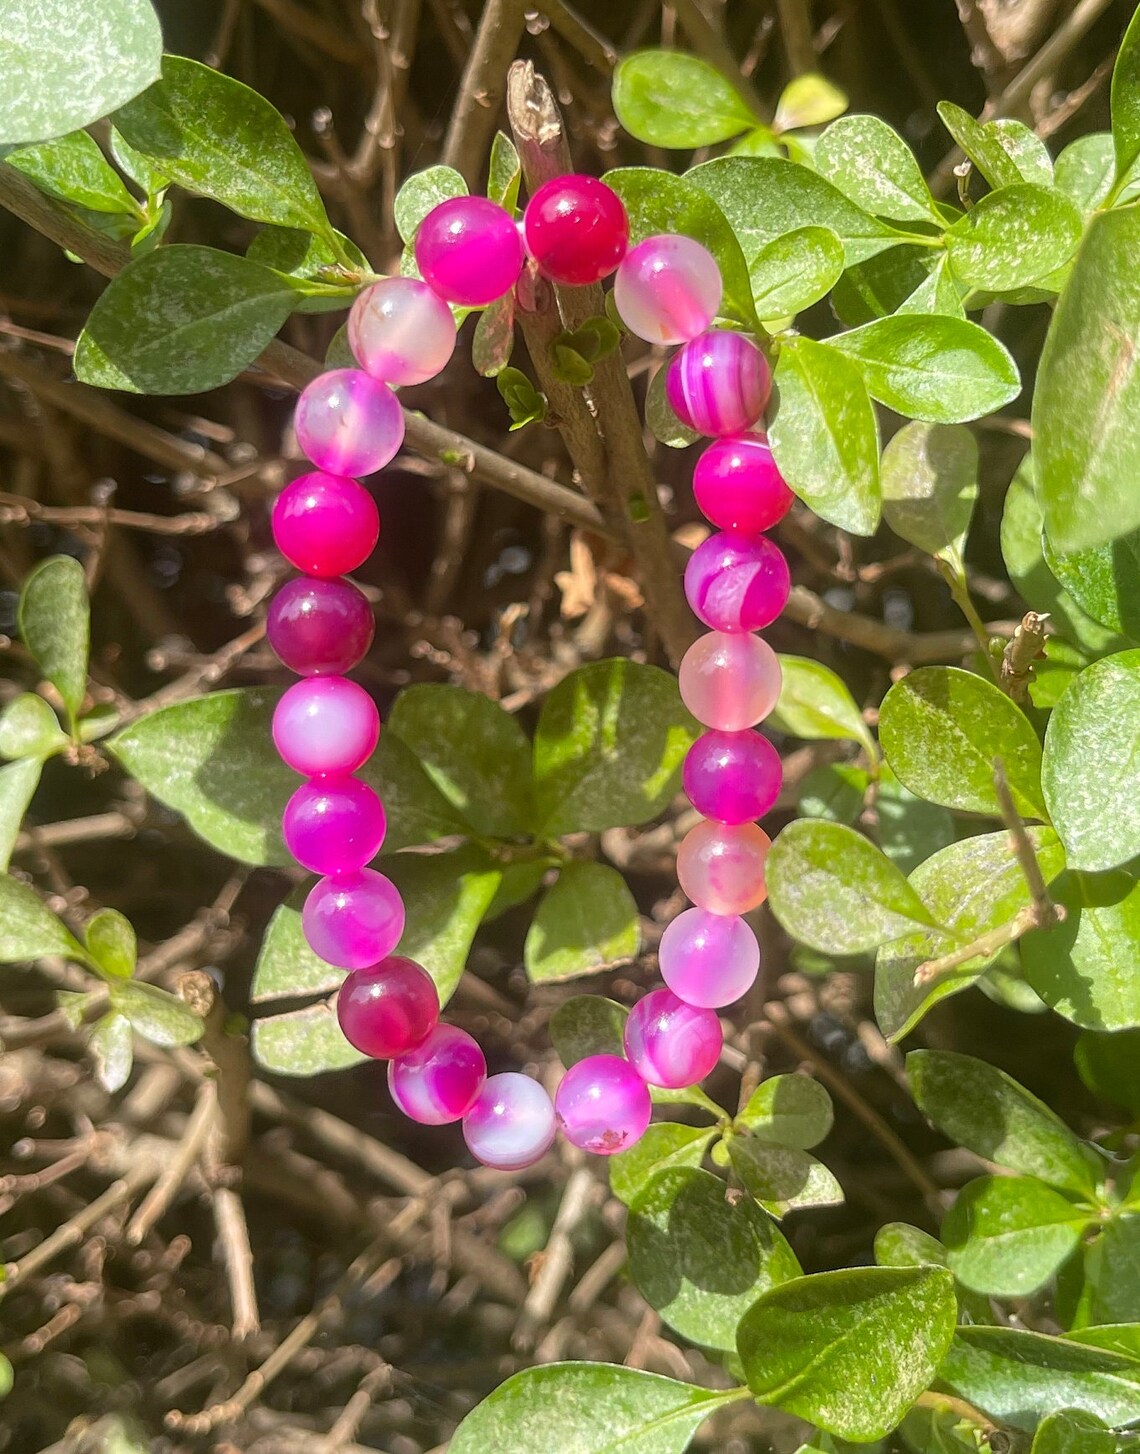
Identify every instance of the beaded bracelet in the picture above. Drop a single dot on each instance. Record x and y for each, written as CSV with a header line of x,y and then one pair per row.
x,y
348,422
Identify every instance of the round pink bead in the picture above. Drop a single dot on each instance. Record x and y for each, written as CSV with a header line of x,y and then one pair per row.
x,y
708,959
603,1105
334,825
730,682
469,250
576,230
440,1079
326,725
668,289
511,1124
349,423
325,525
354,920
738,486
718,383
388,1009
670,1043
720,866
737,582
400,331
319,628
733,777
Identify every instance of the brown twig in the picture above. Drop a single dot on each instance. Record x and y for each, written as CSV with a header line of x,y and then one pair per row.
x,y
557,1259
156,1202
798,35
1026,646
482,86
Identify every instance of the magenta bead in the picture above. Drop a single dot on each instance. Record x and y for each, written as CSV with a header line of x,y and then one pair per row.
x,y
708,960
603,1105
325,525
718,383
400,331
388,1009
469,250
576,230
348,423
720,866
354,920
733,777
511,1124
668,289
319,628
737,582
738,486
670,1043
440,1080
730,682
326,725
334,825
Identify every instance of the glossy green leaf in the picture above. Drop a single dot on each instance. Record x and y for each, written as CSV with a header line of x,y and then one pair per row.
x,y
782,1179
1072,1432
73,169
28,928
792,272
55,624
880,285
156,1014
422,191
446,896
665,1146
909,829
835,791
111,942
937,293
1013,238
671,99
286,967
1085,967
788,1110
1104,581
982,144
18,783
302,1042
112,1048
321,279
1024,147
871,164
808,100
1110,1065
1008,1235
1126,99
587,1025
815,703
29,727
504,172
586,922
1113,1269
1085,170
849,1351
660,419
897,1244
930,486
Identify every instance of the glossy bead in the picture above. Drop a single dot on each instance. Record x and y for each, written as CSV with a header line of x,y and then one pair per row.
x,y
388,1009
670,1043
326,725
734,777
720,866
511,1124
319,628
325,525
400,331
348,423
668,289
708,959
730,682
718,383
738,486
334,825
469,250
602,1105
576,230
354,920
737,582
440,1080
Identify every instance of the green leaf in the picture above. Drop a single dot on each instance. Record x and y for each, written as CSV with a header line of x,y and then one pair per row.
x,y
28,928
524,402
111,942
18,783
302,1042
971,887
1028,152
909,829
1085,170
1086,407
112,1048
832,889
937,293
835,791
420,193
664,1147
815,703
1104,581
55,623
781,1178
849,1351
73,169
142,172
880,285
792,272
157,1015
808,100
1019,1377
982,144
1114,1274
322,281
662,423
587,1408
871,164
66,65
1073,1432
788,1110
671,99
216,137
930,486
699,1259
1126,99
1091,750
587,1025
608,749
181,320
585,923
1085,967
941,729
980,1107
899,1245
1008,1235
504,172
932,367
28,726
824,434
1013,238
1110,1065
476,754
286,967
7,1378
494,339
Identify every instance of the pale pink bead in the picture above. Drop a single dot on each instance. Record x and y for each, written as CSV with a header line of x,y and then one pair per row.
x,y
709,959
720,866
469,250
354,920
737,582
440,1080
718,383
730,682
668,289
400,331
349,423
511,1124
326,725
670,1043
